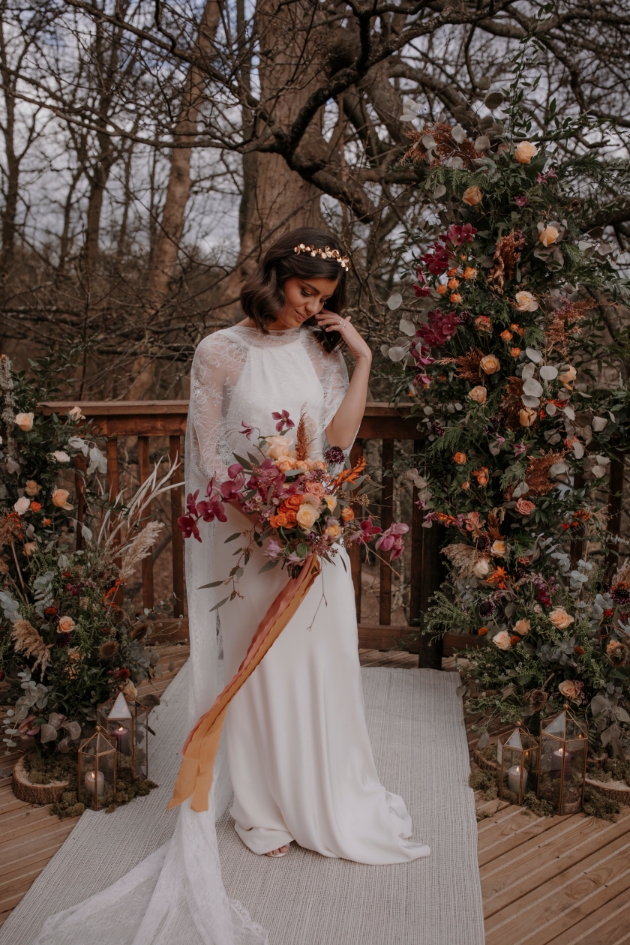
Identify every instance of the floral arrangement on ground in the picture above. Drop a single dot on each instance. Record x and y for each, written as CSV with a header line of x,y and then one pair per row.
x,y
67,641
497,348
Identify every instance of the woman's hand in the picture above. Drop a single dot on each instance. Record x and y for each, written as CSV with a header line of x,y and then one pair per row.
x,y
330,321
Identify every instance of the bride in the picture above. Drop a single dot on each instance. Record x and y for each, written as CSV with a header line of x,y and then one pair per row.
x,y
299,758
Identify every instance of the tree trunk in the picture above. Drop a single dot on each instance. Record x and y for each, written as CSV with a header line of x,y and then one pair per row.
x,y
9,211
275,198
164,258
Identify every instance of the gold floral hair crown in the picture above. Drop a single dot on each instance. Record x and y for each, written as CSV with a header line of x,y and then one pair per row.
x,y
326,253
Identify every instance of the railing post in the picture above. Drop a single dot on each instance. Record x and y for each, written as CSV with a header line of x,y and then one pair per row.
x,y
387,512
355,549
147,563
177,539
427,574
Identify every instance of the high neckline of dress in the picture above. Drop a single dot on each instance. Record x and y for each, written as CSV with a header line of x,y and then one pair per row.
x,y
276,332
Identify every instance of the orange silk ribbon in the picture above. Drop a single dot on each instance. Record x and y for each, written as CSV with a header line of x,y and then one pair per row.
x,y
201,746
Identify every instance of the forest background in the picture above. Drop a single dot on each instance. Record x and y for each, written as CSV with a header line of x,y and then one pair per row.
x,y
149,152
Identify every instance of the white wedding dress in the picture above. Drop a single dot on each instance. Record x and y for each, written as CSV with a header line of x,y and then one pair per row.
x,y
299,754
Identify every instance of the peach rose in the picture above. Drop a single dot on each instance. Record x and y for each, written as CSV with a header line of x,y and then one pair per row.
x,y
506,335
60,499
315,488
478,394
279,447
472,196
347,515
549,235
313,500
525,152
61,456
285,464
525,302
514,352
29,547
22,505
560,618
24,421
570,690
502,640
498,549
490,364
75,414
470,272
567,378
32,488
524,506
484,323
460,458
522,627
334,530
307,516
331,502
318,464
65,625
527,416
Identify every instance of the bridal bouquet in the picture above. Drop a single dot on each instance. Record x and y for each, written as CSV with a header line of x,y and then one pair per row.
x,y
299,506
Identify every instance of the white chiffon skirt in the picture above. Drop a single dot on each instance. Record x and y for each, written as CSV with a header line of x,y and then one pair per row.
x,y
299,755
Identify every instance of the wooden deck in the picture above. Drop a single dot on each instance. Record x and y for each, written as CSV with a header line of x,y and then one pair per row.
x,y
545,881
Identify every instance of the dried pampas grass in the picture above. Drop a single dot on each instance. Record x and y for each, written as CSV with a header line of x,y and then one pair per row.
x,y
28,641
139,547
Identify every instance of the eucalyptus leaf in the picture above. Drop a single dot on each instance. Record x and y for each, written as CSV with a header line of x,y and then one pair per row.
x,y
268,566
458,134
484,738
493,100
394,301
482,143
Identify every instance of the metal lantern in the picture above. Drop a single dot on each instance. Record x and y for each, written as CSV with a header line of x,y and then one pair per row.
x,y
562,762
96,774
127,724
517,757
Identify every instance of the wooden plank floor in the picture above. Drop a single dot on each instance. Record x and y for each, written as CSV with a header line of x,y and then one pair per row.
x,y
545,881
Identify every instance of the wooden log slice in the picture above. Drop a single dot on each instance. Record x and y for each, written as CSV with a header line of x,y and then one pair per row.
x,y
617,791
484,763
35,793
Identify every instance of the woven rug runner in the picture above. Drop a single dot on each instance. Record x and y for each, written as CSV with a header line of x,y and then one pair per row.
x,y
416,726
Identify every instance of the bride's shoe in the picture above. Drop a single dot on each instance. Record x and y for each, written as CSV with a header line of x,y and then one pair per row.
x,y
276,854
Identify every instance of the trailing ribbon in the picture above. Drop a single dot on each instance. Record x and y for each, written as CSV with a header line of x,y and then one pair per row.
x,y
200,748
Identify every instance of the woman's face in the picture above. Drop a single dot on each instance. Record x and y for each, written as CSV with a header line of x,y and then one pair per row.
x,y
304,298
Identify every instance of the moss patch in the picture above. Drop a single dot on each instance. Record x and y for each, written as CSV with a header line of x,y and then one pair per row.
x,y
598,805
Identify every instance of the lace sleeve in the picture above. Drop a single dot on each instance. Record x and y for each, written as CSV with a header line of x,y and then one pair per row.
x,y
215,370
333,375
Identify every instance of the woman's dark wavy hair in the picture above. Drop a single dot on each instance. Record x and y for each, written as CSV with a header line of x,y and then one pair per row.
x,y
262,295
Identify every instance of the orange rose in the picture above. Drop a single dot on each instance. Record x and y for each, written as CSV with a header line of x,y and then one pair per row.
x,y
506,335
453,283
478,394
514,352
470,272
481,475
490,364
517,328
481,632
484,323
278,521
525,152
36,506
514,640
294,502
347,515
472,196
455,297
47,521
525,507
453,271
460,458
465,485
315,488
549,235
291,518
442,289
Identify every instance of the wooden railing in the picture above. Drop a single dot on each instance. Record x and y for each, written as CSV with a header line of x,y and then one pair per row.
x,y
159,426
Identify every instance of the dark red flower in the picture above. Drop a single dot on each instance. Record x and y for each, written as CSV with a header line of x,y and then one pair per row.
x,y
439,328
188,526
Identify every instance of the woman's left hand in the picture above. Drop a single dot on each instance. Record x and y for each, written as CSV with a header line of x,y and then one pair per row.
x,y
330,321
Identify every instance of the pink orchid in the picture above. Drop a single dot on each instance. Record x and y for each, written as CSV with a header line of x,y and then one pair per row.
x,y
188,526
368,528
284,420
274,549
211,509
246,430
521,201
391,540
520,448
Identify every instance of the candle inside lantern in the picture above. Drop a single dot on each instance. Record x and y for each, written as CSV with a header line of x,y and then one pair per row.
x,y
514,779
556,763
121,734
98,778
